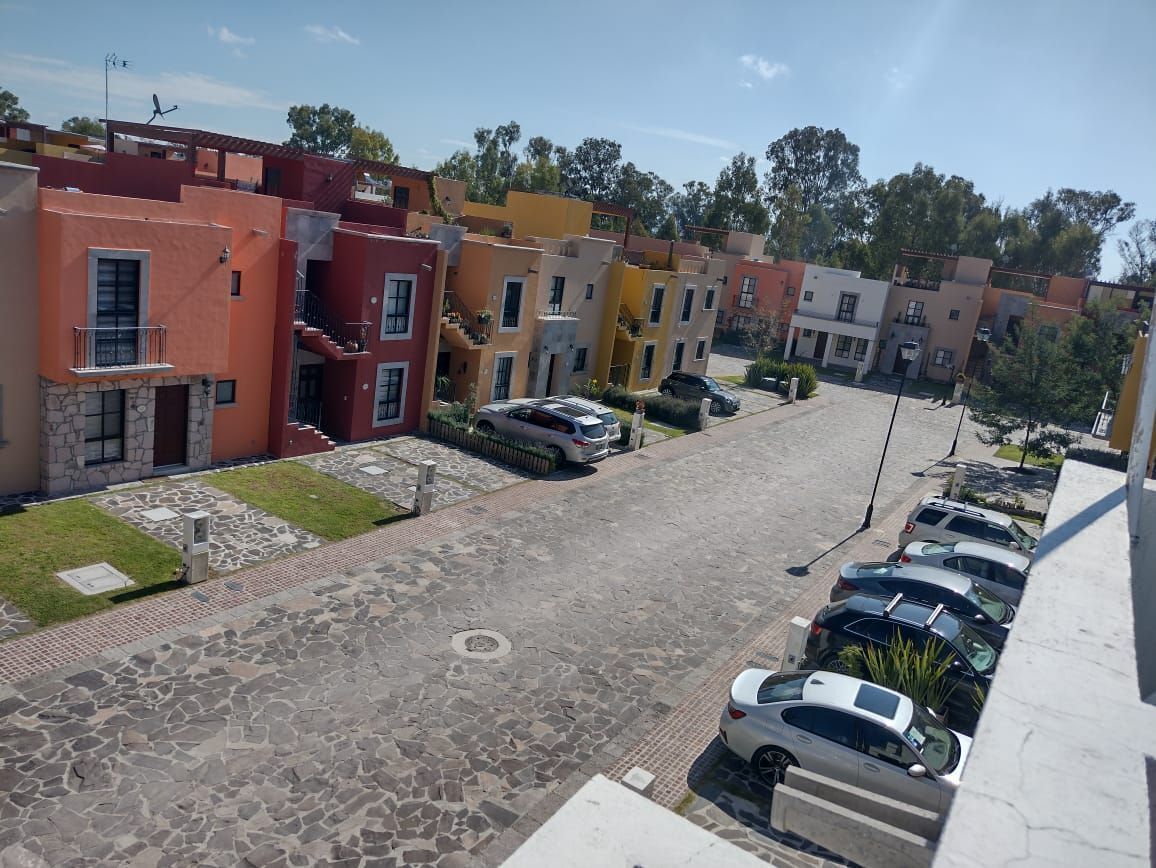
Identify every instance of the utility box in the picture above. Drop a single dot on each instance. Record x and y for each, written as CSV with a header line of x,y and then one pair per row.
x,y
195,546
424,492
704,413
637,424
796,643
957,480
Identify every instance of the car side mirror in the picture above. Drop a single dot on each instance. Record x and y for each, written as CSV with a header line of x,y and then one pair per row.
x,y
916,771
1015,545
980,618
957,665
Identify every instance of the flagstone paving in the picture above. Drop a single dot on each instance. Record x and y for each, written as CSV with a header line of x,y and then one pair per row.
x,y
12,620
396,481
475,471
242,535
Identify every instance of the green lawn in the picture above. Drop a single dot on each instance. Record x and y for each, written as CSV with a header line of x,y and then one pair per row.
x,y
1013,453
311,500
734,379
38,542
670,431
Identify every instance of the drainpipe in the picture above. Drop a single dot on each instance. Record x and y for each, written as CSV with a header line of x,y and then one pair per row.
x,y
435,319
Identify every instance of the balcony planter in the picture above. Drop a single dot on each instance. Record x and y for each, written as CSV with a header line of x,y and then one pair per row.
x,y
351,346
485,317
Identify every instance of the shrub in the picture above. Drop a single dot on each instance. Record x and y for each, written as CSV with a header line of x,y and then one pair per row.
x,y
455,417
763,368
1099,457
673,411
918,673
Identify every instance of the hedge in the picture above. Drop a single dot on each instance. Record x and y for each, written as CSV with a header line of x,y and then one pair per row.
x,y
1099,457
761,369
673,411
448,427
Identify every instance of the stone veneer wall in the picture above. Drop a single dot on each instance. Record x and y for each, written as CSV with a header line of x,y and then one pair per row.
x,y
62,467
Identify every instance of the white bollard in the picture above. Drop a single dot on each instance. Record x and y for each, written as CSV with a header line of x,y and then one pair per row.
x,y
704,413
957,395
796,643
424,492
957,481
860,372
636,426
794,390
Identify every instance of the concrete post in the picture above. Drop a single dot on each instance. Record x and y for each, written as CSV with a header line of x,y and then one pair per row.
x,y
424,491
957,480
790,344
957,395
796,642
636,426
860,371
703,413
794,390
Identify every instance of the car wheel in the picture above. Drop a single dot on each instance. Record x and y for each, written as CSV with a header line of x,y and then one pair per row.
x,y
832,662
485,427
668,392
716,407
771,763
558,455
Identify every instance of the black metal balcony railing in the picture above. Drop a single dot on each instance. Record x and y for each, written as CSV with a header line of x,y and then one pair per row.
x,y
917,283
464,318
557,313
99,348
309,309
628,322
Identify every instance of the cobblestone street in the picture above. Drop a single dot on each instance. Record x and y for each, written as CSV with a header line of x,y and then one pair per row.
x,y
337,725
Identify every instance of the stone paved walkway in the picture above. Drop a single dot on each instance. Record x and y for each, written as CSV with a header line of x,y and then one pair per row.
x,y
395,483
242,535
12,620
474,471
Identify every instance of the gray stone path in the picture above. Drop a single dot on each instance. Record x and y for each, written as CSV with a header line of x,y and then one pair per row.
x,y
12,620
396,484
338,726
475,471
242,535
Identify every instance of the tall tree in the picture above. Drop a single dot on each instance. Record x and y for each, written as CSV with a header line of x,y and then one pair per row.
x,y
1064,232
10,107
1138,253
738,200
366,143
1097,341
689,207
669,230
85,126
822,164
592,170
495,162
646,193
459,166
323,129
538,172
1029,395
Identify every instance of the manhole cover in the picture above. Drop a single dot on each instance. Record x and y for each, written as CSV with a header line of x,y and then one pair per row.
x,y
480,644
96,579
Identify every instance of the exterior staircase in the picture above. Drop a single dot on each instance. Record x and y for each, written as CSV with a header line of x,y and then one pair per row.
x,y
460,325
628,323
321,334
305,439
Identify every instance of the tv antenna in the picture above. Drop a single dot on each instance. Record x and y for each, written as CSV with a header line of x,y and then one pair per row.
x,y
157,112
111,61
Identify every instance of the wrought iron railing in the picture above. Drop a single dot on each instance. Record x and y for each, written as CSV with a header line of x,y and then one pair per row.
x,y
307,411
310,310
459,314
619,375
97,348
917,283
557,312
629,322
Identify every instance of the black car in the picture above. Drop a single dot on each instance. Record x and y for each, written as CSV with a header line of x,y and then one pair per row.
x,y
978,607
866,620
695,387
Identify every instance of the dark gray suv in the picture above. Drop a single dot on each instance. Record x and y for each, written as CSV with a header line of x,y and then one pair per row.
x,y
695,387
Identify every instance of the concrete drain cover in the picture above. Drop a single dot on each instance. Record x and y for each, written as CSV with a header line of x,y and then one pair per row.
x,y
481,644
96,579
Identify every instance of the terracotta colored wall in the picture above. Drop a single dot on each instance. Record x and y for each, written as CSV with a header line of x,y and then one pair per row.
x,y
20,402
242,429
1066,290
238,167
284,339
189,286
771,285
374,213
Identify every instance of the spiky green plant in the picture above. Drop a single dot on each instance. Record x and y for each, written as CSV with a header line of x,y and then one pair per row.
x,y
920,674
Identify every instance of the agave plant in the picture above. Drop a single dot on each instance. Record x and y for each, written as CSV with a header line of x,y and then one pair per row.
x,y
918,673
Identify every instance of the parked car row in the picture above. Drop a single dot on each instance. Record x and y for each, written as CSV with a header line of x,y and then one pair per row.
x,y
954,585
568,430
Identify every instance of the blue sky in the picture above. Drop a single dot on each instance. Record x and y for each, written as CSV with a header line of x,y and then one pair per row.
x,y
1017,96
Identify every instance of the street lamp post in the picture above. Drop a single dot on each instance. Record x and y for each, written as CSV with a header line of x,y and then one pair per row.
x,y
983,339
908,353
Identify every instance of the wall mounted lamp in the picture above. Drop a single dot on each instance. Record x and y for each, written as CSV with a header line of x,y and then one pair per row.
x,y
225,254
426,266
207,385
261,232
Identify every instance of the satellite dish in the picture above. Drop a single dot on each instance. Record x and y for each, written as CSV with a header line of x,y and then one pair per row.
x,y
157,111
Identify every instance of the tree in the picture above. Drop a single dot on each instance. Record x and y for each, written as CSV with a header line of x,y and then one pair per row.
x,y
1138,252
10,107
1097,342
366,143
669,230
459,166
646,193
85,126
538,172
494,162
323,129
1064,232
690,206
823,164
765,335
1030,393
738,199
592,170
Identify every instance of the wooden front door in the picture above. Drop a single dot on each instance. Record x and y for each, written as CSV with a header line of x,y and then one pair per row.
x,y
309,394
820,346
172,426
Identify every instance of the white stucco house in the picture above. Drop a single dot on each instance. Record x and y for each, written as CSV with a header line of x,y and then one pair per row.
x,y
837,319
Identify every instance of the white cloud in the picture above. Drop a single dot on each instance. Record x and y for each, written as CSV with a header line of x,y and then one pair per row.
x,y
746,84
685,136
228,37
898,79
176,88
763,68
331,34
457,143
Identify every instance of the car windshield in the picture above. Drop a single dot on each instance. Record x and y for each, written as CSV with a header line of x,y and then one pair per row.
x,y
608,418
1025,539
783,687
710,383
934,741
979,654
595,431
992,606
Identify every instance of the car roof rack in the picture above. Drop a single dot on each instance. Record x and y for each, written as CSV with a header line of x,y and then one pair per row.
x,y
935,613
959,505
890,607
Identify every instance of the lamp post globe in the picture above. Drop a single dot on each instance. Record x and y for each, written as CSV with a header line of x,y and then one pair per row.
x,y
908,353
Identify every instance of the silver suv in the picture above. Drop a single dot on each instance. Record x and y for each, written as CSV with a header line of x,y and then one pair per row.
x,y
609,418
568,434
999,570
937,519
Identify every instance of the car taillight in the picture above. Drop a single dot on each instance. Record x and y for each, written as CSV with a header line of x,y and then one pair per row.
x,y
909,527
735,713
815,628
843,585
578,442
903,559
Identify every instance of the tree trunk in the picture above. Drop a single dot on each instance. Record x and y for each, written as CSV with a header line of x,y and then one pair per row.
x,y
1024,451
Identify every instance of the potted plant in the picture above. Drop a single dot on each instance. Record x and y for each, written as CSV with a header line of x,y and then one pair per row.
x,y
485,316
351,346
446,307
